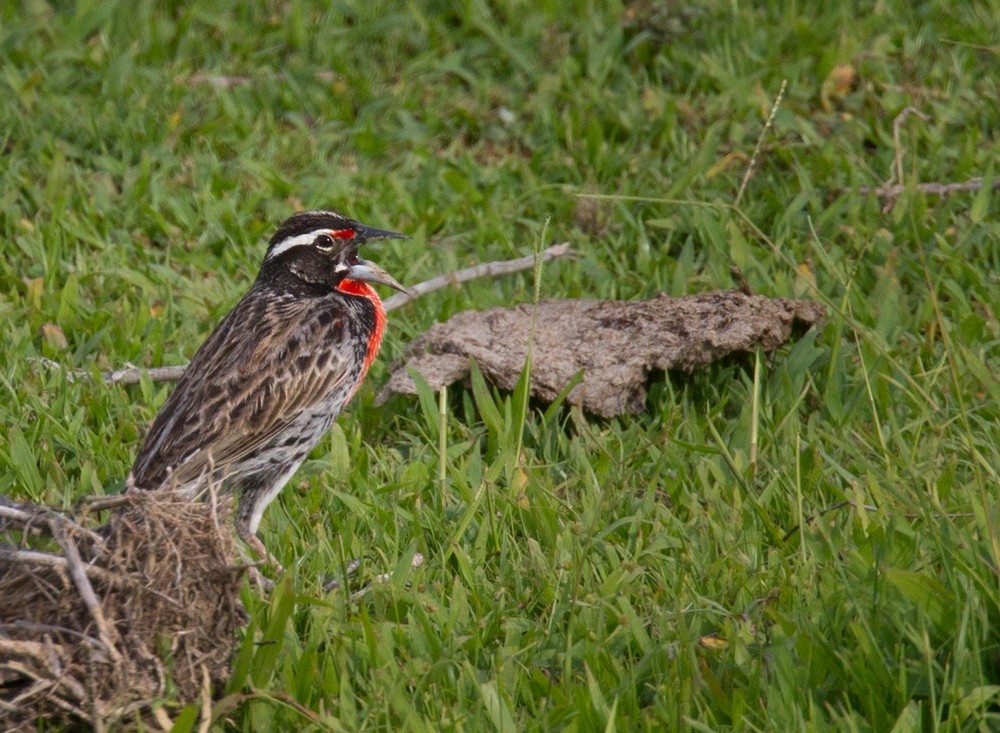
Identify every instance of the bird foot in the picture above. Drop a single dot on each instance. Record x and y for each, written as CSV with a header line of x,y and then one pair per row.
x,y
259,579
262,552
253,542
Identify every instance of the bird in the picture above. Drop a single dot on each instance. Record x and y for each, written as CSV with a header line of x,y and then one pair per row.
x,y
266,385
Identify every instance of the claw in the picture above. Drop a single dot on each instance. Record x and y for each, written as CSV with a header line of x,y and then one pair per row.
x,y
258,547
253,542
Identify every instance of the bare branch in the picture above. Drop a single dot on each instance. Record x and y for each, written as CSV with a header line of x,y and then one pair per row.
x,y
897,125
894,187
47,559
133,375
78,572
932,189
486,269
896,174
33,518
357,595
15,514
124,375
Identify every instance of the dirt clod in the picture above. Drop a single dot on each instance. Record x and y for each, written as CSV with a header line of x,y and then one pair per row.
x,y
614,343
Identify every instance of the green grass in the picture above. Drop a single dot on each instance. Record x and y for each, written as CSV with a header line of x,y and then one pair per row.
x,y
821,552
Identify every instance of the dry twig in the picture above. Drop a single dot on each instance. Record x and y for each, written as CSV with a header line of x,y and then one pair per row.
x,y
486,269
78,573
897,125
132,375
894,187
894,191
49,560
352,569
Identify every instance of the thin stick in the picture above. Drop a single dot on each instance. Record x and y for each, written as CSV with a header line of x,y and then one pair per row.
x,y
125,375
47,629
897,124
78,573
133,375
47,559
29,517
15,514
933,189
896,174
760,141
352,568
486,269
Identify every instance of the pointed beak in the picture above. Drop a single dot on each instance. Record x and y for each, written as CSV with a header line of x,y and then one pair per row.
x,y
365,233
372,273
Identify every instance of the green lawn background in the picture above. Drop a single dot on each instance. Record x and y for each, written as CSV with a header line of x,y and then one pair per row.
x,y
804,543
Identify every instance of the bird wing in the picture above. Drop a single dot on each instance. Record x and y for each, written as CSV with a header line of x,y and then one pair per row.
x,y
264,364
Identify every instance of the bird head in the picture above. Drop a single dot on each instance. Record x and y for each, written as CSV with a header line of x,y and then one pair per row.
x,y
321,248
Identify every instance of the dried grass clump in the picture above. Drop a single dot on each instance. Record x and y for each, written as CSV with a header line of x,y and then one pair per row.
x,y
96,623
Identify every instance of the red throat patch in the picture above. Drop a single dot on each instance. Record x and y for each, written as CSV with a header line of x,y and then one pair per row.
x,y
357,287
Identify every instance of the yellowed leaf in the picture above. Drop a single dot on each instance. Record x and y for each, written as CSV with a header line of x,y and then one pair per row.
x,y
713,642
36,288
519,481
54,336
654,101
837,85
805,281
842,78
726,162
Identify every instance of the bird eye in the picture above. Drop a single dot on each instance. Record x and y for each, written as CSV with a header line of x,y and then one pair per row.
x,y
353,259
325,242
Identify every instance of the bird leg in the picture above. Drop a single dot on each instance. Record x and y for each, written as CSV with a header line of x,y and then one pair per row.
x,y
252,541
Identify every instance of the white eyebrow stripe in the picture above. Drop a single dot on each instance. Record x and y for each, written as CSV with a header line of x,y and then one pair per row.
x,y
297,241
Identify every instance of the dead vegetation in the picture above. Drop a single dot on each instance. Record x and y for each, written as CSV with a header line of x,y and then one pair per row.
x,y
96,622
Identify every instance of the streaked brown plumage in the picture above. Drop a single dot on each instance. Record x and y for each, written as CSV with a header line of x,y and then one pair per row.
x,y
266,385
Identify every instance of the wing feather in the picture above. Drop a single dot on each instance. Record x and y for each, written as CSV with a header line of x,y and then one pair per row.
x,y
261,367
